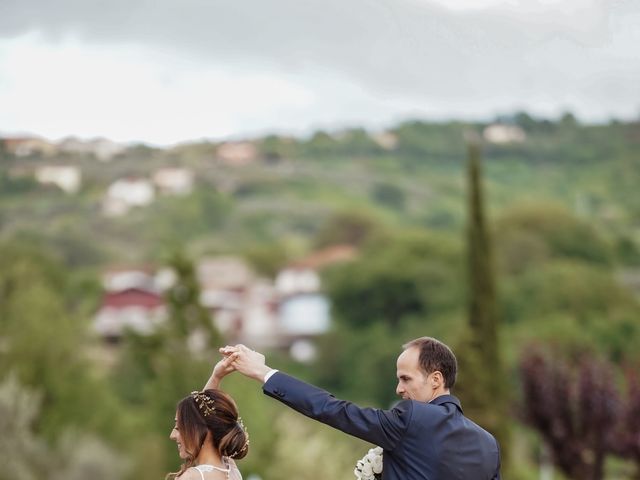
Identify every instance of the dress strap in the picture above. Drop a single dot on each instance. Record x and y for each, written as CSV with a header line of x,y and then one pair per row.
x,y
210,468
200,472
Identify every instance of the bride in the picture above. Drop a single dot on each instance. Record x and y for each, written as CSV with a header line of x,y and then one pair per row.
x,y
209,432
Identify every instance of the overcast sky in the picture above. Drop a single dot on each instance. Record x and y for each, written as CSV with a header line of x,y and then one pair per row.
x,y
165,71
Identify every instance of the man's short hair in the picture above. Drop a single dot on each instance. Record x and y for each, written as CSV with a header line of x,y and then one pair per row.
x,y
436,356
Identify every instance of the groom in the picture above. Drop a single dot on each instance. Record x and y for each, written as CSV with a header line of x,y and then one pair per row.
x,y
424,437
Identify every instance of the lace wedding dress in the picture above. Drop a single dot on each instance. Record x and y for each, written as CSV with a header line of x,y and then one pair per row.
x,y
230,469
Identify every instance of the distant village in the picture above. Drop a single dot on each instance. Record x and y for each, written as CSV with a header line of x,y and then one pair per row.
x,y
285,312
127,193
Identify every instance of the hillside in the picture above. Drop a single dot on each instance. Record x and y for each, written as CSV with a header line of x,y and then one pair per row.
x,y
286,189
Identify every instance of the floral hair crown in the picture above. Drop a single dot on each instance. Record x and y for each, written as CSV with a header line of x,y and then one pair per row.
x,y
205,403
246,442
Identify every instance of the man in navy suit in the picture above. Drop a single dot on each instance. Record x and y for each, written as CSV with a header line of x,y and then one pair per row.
x,y
424,437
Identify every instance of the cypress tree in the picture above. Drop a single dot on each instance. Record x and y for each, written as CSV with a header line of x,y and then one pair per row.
x,y
482,383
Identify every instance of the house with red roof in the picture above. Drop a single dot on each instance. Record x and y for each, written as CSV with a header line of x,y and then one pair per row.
x,y
136,309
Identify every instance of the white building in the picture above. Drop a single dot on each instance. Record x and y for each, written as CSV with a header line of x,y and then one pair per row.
x,y
304,315
116,279
174,181
26,146
237,153
68,178
386,140
303,310
126,193
140,310
259,325
500,133
243,307
297,280
224,273
105,149
102,148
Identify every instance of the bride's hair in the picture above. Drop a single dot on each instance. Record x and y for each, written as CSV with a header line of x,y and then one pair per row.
x,y
213,412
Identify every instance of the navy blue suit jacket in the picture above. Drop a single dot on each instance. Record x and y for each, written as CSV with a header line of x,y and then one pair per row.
x,y
421,441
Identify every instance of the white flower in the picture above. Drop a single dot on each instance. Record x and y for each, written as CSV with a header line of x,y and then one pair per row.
x,y
370,466
376,464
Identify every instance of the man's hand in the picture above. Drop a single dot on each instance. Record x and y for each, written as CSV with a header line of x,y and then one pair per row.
x,y
248,362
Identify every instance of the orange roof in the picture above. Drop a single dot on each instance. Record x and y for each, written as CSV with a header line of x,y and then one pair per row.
x,y
327,256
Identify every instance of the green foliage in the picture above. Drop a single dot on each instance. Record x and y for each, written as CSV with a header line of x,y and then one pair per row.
x,y
352,227
627,251
309,451
274,148
395,279
15,186
481,381
25,456
425,141
572,303
371,353
175,219
564,286
186,313
534,232
389,195
267,259
567,207
321,144
42,342
22,453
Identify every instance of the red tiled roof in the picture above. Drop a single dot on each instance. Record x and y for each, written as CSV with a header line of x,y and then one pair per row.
x,y
132,297
327,256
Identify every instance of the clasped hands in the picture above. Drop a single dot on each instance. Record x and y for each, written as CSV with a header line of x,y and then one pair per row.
x,y
242,359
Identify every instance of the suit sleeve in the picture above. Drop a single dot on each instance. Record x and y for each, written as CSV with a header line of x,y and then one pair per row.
x,y
497,474
384,428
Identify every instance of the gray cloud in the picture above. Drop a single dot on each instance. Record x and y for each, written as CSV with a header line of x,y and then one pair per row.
x,y
406,49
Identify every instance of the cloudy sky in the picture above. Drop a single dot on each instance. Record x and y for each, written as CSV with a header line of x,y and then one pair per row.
x,y
165,71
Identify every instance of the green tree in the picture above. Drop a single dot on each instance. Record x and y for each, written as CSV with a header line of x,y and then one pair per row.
x,y
483,385
24,455
267,259
353,227
389,195
539,231
395,279
187,315
321,144
44,343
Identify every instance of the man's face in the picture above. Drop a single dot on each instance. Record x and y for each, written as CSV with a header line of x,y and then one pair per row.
x,y
413,383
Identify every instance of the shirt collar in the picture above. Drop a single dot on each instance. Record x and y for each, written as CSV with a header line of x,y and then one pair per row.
x,y
442,399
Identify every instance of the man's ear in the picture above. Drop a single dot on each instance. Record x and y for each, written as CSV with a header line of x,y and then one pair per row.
x,y
437,380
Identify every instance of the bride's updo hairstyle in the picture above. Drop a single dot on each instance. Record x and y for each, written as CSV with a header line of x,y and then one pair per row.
x,y
213,412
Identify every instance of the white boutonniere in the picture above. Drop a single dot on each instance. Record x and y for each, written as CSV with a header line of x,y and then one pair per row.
x,y
370,466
